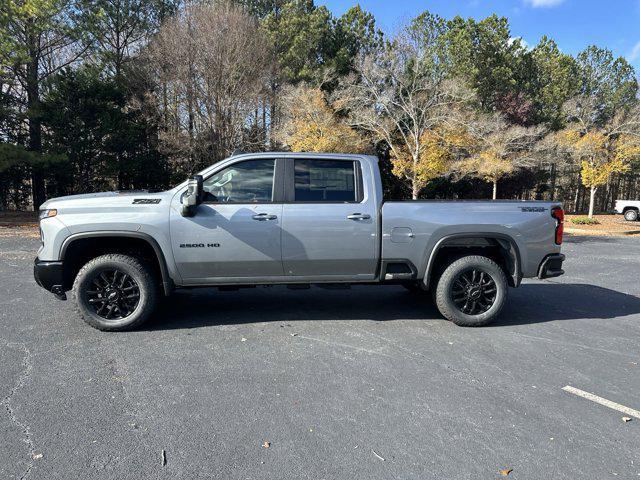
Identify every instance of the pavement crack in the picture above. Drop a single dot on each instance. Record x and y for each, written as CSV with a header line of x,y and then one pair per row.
x,y
8,405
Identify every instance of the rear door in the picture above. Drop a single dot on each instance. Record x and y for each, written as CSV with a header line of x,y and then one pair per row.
x,y
235,235
329,221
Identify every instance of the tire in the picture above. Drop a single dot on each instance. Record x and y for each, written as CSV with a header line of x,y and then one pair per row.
x,y
457,294
631,215
115,292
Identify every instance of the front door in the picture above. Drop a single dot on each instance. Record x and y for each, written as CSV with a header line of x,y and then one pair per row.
x,y
235,235
329,229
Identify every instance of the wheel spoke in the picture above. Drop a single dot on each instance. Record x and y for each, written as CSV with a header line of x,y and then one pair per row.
x,y
472,308
104,278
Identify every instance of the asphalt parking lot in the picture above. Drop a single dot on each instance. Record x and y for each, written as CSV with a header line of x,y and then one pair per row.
x,y
367,383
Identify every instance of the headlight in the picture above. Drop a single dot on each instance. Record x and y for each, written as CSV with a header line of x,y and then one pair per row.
x,y
47,213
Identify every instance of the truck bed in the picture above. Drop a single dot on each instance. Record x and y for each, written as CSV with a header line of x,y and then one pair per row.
x,y
412,229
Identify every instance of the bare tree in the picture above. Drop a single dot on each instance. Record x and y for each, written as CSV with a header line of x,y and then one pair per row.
x,y
401,94
212,60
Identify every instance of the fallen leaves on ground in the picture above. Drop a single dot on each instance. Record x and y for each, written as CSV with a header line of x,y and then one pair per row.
x,y
505,471
626,419
266,444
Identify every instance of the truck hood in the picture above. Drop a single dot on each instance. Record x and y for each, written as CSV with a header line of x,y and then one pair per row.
x,y
102,201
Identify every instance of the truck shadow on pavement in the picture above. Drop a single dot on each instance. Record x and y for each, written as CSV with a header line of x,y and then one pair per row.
x,y
531,303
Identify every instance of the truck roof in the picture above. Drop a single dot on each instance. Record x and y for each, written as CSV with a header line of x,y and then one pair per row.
x,y
304,155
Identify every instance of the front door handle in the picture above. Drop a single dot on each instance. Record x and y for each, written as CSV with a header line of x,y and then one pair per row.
x,y
264,216
359,216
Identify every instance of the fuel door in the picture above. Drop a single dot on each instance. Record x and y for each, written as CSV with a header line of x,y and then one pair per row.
x,y
402,235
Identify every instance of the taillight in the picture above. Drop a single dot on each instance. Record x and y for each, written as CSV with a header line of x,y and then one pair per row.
x,y
558,214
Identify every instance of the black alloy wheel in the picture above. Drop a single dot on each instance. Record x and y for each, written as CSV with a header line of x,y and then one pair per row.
x,y
473,291
113,294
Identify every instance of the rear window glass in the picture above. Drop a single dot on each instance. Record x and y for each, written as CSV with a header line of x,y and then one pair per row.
x,y
325,181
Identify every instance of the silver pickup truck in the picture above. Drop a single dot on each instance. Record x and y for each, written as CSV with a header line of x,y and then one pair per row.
x,y
290,218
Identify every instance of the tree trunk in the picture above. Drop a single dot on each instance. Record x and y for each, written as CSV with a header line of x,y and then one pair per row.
x,y
414,191
495,189
592,198
35,122
414,181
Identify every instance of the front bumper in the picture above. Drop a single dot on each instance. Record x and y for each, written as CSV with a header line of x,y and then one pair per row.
x,y
551,266
49,275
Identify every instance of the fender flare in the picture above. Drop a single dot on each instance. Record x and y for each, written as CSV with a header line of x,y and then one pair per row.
x,y
167,282
506,242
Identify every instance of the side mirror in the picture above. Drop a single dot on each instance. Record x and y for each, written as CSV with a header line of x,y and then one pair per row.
x,y
193,196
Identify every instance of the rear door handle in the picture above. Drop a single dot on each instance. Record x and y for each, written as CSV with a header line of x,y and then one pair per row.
x,y
264,216
359,216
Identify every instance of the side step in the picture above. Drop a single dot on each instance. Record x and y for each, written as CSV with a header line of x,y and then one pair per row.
x,y
326,286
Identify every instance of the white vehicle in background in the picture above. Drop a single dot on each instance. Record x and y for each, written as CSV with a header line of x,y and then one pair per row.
x,y
629,208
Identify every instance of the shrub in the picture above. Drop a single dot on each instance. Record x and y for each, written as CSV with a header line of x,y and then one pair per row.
x,y
585,221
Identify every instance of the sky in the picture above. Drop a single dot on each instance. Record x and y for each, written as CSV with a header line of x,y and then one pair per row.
x,y
573,24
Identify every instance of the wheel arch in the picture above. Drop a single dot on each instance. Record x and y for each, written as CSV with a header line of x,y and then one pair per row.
x,y
507,248
113,242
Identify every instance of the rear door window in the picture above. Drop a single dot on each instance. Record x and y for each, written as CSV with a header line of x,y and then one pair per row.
x,y
325,181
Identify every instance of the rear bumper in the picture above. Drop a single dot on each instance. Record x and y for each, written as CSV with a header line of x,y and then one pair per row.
x,y
49,275
551,266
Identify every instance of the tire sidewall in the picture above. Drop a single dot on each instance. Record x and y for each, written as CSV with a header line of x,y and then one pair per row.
x,y
131,267
450,310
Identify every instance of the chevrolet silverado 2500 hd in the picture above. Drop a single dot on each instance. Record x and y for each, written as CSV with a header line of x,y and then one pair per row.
x,y
289,218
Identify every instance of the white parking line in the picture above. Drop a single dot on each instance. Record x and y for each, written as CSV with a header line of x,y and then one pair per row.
x,y
602,401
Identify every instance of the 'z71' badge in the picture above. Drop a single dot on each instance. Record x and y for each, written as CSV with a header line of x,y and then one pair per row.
x,y
533,209
146,201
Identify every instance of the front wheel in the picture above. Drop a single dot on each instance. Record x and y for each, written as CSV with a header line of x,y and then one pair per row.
x,y
471,291
631,215
115,292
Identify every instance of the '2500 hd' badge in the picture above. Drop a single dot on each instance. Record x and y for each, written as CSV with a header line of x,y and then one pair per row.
x,y
199,245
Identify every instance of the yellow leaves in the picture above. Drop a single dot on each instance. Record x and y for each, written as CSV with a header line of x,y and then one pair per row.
x,y
435,153
601,155
312,126
627,148
568,137
488,165
597,172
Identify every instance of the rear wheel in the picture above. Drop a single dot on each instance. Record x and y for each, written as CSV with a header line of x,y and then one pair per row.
x,y
471,291
115,292
631,215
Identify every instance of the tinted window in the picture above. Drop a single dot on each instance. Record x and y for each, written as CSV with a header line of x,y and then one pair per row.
x,y
324,181
244,182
